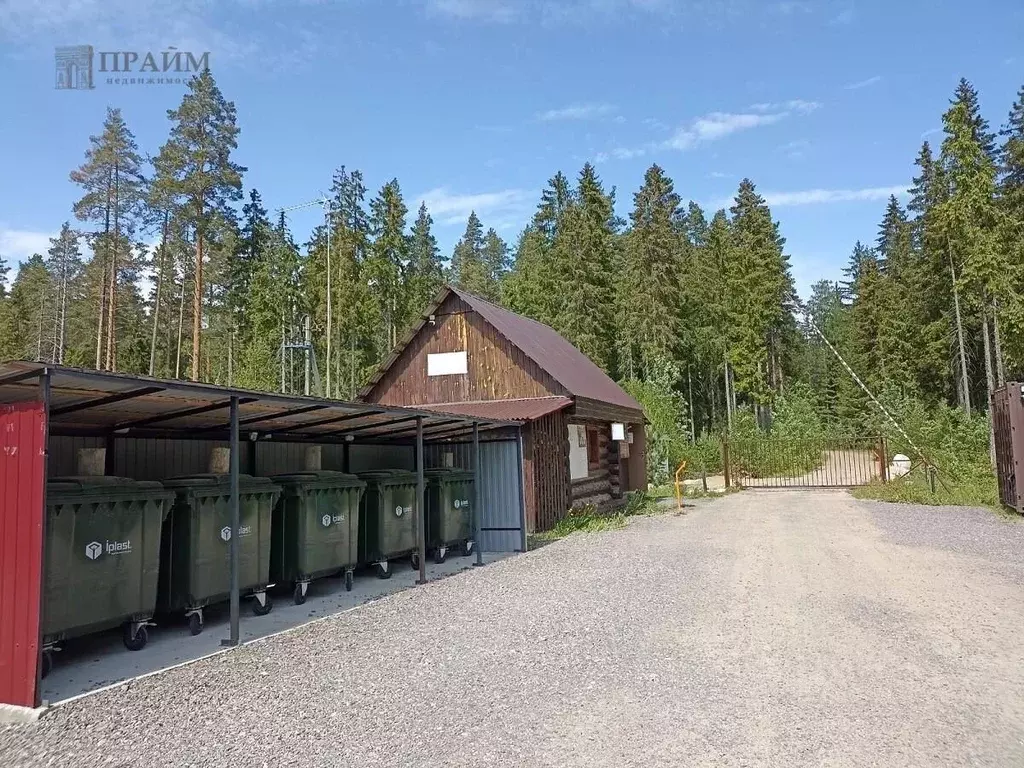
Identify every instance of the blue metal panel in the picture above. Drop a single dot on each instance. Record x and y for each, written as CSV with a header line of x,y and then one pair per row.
x,y
500,477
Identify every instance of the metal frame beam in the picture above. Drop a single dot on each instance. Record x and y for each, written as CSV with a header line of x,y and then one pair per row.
x,y
333,420
116,397
198,410
477,522
14,378
427,431
378,425
421,507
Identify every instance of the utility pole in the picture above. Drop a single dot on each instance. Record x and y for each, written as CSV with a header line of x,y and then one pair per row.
x,y
324,202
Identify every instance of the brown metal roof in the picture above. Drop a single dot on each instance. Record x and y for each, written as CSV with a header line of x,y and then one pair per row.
x,y
517,409
547,348
86,402
576,372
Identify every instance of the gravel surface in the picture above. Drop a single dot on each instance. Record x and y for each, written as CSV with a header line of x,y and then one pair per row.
x,y
766,628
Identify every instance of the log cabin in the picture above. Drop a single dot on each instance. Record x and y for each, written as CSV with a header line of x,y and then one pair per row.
x,y
583,435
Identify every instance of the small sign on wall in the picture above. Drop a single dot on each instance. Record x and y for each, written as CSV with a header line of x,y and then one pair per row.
x,y
618,431
447,364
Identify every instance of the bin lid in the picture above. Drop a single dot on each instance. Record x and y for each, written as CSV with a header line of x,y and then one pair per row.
x,y
387,476
99,484
211,480
321,477
449,473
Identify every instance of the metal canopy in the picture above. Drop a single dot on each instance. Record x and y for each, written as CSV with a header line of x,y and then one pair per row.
x,y
98,403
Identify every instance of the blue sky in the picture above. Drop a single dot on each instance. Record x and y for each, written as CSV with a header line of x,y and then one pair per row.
x,y
476,103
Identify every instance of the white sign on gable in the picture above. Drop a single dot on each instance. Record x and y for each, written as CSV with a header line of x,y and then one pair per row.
x,y
447,364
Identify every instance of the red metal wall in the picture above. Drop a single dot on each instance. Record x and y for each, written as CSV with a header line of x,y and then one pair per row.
x,y
22,466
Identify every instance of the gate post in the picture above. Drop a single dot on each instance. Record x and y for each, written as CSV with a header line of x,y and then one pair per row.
x,y
725,462
883,460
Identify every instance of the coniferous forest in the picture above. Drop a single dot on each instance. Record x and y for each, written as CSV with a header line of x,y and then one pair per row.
x,y
694,310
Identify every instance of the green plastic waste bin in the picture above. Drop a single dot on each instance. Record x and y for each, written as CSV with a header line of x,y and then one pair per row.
x,y
195,558
387,518
315,528
102,557
449,514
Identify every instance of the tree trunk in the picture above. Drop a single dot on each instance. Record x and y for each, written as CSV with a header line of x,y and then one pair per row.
x,y
989,386
102,302
156,300
197,306
112,288
1000,370
181,328
728,397
965,387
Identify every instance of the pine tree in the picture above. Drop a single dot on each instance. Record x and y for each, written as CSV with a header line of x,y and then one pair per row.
x,y
114,188
196,164
648,299
902,315
967,95
385,265
254,240
425,271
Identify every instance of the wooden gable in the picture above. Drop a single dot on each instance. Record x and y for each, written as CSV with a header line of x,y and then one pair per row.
x,y
496,370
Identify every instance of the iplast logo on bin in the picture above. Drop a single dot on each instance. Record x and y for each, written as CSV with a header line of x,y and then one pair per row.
x,y
329,520
462,503
399,511
225,532
95,548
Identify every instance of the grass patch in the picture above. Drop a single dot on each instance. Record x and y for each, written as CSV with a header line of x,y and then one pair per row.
x,y
588,520
975,491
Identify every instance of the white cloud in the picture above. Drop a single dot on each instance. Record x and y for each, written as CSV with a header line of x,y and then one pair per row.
x,y
843,18
499,11
718,125
718,175
863,83
821,196
930,132
576,112
16,245
451,208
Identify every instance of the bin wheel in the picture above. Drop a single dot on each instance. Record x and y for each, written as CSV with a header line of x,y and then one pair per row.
x,y
298,596
263,610
382,572
414,561
440,555
137,641
348,581
47,663
467,547
195,623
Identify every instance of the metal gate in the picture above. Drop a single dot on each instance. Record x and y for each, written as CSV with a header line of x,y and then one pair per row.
x,y
781,462
1008,430
22,467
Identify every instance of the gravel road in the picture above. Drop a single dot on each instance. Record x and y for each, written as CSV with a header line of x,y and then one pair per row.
x,y
780,628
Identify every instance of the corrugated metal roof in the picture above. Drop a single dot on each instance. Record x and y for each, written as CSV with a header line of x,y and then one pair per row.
x,y
519,409
86,402
547,348
580,376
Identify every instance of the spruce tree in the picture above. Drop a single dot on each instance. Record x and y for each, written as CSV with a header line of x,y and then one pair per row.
x,y
581,262
760,296
32,311
385,265
196,164
470,271
648,297
64,263
425,273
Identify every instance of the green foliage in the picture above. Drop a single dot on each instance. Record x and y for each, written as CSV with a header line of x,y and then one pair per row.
x,y
666,430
